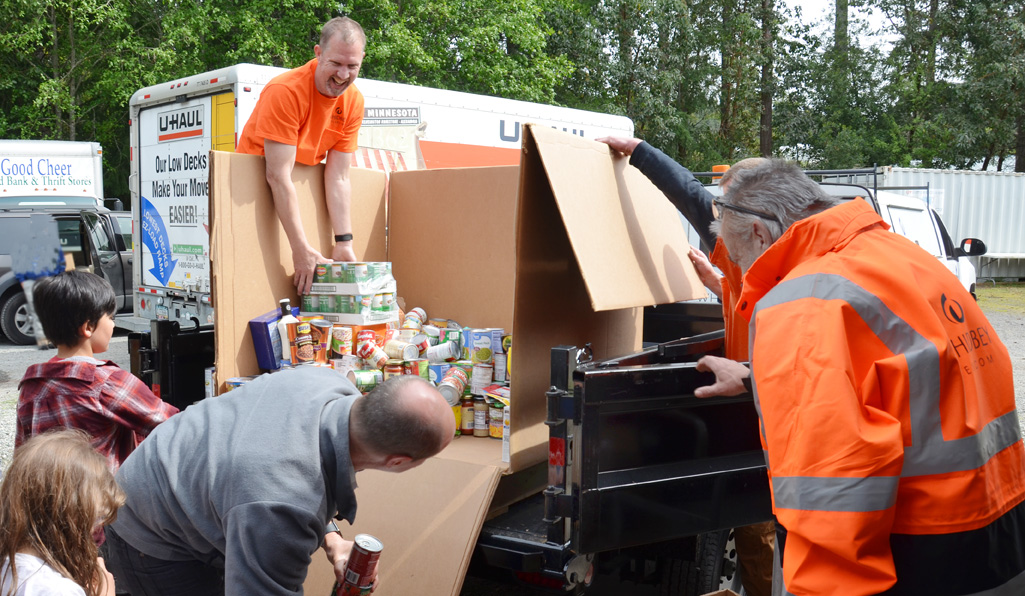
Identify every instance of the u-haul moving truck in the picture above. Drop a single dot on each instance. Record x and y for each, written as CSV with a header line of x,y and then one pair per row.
x,y
174,125
51,173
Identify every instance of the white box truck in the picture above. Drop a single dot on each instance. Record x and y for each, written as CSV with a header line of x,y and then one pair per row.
x,y
51,173
175,124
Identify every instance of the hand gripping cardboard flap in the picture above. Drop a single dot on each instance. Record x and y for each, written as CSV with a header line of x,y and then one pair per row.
x,y
563,249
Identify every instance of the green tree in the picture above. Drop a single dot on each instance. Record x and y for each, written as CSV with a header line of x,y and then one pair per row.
x,y
478,46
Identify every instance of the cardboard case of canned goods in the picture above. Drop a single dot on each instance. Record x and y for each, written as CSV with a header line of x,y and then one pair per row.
x,y
565,249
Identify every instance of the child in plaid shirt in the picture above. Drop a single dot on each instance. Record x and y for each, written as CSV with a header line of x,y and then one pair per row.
x,y
74,389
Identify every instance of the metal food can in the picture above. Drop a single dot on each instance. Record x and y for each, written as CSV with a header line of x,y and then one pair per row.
x,y
452,385
302,351
444,352
341,340
436,372
359,272
433,334
452,334
400,350
339,272
483,375
480,346
496,414
421,343
496,339
416,366
322,273
362,566
363,305
419,313
366,335
310,303
379,269
365,379
376,302
387,301
467,367
500,367
321,332
374,356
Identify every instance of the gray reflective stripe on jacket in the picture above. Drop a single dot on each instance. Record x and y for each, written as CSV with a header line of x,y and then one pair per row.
x,y
929,453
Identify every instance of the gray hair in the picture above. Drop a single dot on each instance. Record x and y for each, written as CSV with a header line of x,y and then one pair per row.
x,y
774,187
345,29
388,426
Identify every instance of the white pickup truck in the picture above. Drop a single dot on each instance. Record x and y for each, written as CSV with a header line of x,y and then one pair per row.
x,y
912,218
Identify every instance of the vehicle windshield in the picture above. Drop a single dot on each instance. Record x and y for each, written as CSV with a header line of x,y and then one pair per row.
x,y
124,222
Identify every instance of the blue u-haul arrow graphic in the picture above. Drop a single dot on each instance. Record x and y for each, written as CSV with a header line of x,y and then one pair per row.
x,y
154,237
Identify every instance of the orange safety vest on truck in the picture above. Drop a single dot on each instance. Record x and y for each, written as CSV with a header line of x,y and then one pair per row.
x,y
888,416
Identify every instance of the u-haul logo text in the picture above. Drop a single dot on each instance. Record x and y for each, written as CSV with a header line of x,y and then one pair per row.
x,y
183,123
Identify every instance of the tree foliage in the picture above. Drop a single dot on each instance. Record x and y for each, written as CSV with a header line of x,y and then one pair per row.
x,y
706,81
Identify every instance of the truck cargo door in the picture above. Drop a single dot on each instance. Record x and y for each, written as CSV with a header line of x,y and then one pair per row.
x,y
222,123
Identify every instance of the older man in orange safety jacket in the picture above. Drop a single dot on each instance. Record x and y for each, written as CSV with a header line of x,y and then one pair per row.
x,y
885,397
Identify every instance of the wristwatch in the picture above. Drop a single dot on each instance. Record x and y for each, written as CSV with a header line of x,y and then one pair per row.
x,y
343,237
333,527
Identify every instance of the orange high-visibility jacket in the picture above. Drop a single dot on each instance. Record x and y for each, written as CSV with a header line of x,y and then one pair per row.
x,y
888,416
735,327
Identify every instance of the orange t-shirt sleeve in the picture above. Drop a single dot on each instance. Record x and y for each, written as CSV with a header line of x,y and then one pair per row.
x,y
280,115
353,120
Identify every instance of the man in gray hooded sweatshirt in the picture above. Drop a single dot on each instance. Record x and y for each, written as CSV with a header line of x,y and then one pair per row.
x,y
236,495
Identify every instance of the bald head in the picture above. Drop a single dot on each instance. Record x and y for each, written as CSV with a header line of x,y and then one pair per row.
x,y
740,166
404,416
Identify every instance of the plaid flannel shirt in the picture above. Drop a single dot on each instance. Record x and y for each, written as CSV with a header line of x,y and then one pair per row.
x,y
114,407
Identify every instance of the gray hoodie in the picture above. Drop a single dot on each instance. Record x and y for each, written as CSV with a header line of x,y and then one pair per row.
x,y
246,480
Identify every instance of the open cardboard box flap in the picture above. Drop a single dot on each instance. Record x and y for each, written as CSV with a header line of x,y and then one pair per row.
x,y
629,241
564,249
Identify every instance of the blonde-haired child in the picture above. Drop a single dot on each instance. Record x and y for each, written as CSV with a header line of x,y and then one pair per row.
x,y
56,494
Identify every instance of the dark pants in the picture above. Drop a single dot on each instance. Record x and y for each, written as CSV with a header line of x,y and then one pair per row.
x,y
143,575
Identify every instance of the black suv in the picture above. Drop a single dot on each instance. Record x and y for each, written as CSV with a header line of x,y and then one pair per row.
x,y
92,239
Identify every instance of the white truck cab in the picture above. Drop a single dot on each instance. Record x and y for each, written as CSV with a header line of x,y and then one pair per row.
x,y
912,218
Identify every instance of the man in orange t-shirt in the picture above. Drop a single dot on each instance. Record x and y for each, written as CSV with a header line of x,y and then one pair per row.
x,y
305,115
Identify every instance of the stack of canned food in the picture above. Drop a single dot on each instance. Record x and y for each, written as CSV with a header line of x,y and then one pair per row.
x,y
462,362
354,293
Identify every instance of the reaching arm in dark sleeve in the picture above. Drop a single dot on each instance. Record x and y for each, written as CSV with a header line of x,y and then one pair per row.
x,y
682,189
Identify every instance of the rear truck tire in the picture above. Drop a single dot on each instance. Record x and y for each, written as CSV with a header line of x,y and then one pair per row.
x,y
15,320
713,567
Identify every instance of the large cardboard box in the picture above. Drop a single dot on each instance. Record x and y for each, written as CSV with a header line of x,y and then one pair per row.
x,y
564,249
